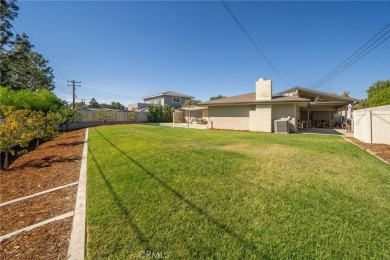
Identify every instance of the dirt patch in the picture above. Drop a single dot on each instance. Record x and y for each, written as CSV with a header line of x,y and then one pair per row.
x,y
56,163
50,241
27,212
380,150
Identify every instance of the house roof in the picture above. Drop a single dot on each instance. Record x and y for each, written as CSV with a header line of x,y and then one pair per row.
x,y
250,98
313,94
169,93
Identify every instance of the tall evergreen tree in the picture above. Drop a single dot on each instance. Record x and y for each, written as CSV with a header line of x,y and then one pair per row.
x,y
26,69
8,12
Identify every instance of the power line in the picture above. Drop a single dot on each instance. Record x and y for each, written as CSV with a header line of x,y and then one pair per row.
x,y
357,55
254,43
58,42
63,89
350,64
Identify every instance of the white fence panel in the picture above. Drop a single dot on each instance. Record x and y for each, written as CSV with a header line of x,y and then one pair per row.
x,y
372,125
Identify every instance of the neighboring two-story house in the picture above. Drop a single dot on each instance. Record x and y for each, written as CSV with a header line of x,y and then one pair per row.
x,y
171,98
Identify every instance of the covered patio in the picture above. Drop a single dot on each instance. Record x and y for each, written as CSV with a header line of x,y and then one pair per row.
x,y
324,111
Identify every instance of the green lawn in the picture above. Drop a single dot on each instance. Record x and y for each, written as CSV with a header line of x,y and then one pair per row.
x,y
202,194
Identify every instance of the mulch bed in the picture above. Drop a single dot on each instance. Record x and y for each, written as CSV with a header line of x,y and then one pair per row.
x,y
28,212
380,150
50,241
54,164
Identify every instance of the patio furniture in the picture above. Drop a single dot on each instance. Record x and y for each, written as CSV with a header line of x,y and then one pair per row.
x,y
325,124
314,123
320,124
331,124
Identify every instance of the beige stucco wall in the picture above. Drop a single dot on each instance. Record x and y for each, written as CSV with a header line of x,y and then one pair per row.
x,y
229,117
283,111
260,119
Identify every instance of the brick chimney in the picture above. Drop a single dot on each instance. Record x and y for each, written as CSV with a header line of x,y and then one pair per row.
x,y
263,89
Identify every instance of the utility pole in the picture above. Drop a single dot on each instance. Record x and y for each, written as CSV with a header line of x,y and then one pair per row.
x,y
74,90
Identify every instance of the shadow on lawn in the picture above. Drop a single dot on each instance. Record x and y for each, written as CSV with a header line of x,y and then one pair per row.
x,y
140,235
192,205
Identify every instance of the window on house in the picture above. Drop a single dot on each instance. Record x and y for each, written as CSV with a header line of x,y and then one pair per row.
x,y
175,100
158,101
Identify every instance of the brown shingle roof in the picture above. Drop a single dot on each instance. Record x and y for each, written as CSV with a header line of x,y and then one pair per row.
x,y
250,98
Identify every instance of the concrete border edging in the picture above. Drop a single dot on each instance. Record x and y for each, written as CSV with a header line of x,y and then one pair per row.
x,y
38,194
77,239
47,221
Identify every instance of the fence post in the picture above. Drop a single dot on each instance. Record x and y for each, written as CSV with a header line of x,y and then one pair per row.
x,y
370,126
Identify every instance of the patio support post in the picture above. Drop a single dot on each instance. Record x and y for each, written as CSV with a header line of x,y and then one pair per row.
x,y
308,116
345,116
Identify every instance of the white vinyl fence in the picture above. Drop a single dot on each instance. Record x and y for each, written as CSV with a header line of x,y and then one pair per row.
x,y
372,125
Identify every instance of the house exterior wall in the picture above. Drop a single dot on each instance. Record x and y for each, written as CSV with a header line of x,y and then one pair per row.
x,y
229,117
260,118
165,100
284,111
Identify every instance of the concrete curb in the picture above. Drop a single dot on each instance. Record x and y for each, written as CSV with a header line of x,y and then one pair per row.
x,y
47,221
77,239
368,151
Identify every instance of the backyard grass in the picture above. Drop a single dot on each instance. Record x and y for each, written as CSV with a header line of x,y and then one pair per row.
x,y
184,193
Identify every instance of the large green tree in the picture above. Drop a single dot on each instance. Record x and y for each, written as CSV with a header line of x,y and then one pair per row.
x,y
41,100
8,12
379,93
26,69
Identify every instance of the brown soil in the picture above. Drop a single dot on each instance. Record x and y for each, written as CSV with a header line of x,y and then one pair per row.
x,y
56,163
380,150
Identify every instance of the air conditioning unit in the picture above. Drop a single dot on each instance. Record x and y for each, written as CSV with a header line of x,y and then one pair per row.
x,y
281,126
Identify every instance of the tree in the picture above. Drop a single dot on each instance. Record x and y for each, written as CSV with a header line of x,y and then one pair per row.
x,y
105,115
69,116
14,130
93,103
25,68
217,97
132,116
381,98
8,12
41,100
191,102
346,93
377,87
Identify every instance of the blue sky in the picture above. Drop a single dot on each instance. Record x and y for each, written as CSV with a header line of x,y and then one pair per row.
x,y
122,51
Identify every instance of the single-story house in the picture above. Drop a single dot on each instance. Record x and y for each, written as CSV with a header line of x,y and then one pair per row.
x,y
171,98
257,111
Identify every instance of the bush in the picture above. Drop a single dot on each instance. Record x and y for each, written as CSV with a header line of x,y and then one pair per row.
x,y
41,100
159,113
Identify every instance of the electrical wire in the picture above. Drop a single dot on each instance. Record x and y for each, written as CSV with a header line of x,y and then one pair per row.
x,y
256,46
356,56
56,37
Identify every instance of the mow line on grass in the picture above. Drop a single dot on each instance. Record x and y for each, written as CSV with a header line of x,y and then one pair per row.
x,y
192,205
